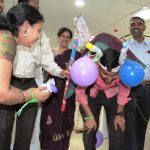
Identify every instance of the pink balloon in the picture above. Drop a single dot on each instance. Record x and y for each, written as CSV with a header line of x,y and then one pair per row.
x,y
84,71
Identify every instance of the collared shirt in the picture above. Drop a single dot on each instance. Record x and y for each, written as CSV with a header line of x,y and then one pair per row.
x,y
112,89
27,60
140,51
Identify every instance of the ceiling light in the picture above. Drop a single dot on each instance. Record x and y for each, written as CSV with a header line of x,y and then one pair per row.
x,y
79,3
145,7
47,39
143,13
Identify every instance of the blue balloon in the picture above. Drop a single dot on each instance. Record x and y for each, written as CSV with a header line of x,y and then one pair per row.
x,y
99,139
131,73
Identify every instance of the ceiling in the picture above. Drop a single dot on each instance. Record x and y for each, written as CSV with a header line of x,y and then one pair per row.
x,y
111,16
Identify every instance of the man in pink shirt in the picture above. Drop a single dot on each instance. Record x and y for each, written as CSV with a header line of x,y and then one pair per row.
x,y
107,91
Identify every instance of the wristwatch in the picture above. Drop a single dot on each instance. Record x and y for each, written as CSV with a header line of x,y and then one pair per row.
x,y
121,113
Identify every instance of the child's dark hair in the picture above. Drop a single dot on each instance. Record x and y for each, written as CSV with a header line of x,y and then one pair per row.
x,y
23,1
110,59
20,13
64,29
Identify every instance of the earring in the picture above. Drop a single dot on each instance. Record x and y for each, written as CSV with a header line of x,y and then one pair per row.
x,y
25,33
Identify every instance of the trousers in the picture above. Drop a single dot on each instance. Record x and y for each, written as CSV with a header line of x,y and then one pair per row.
x,y
24,123
116,138
141,95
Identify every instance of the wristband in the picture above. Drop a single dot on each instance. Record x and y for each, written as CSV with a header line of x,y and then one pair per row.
x,y
88,117
121,113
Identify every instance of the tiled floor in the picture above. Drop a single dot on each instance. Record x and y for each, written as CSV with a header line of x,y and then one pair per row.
x,y
76,141
147,140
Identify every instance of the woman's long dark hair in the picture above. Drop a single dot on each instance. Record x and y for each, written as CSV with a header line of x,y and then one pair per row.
x,y
3,23
17,15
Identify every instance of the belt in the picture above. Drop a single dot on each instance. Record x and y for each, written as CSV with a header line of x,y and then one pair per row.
x,y
22,79
146,82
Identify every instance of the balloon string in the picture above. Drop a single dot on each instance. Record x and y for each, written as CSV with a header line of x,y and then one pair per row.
x,y
33,100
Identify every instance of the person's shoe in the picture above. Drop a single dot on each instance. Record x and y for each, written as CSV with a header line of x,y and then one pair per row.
x,y
78,130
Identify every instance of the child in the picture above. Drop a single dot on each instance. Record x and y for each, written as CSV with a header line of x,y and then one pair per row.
x,y
107,91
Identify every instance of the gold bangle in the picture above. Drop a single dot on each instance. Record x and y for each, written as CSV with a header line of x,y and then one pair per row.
x,y
23,95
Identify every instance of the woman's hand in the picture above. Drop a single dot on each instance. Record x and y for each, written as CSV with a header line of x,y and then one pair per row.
x,y
119,121
37,93
65,73
90,124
